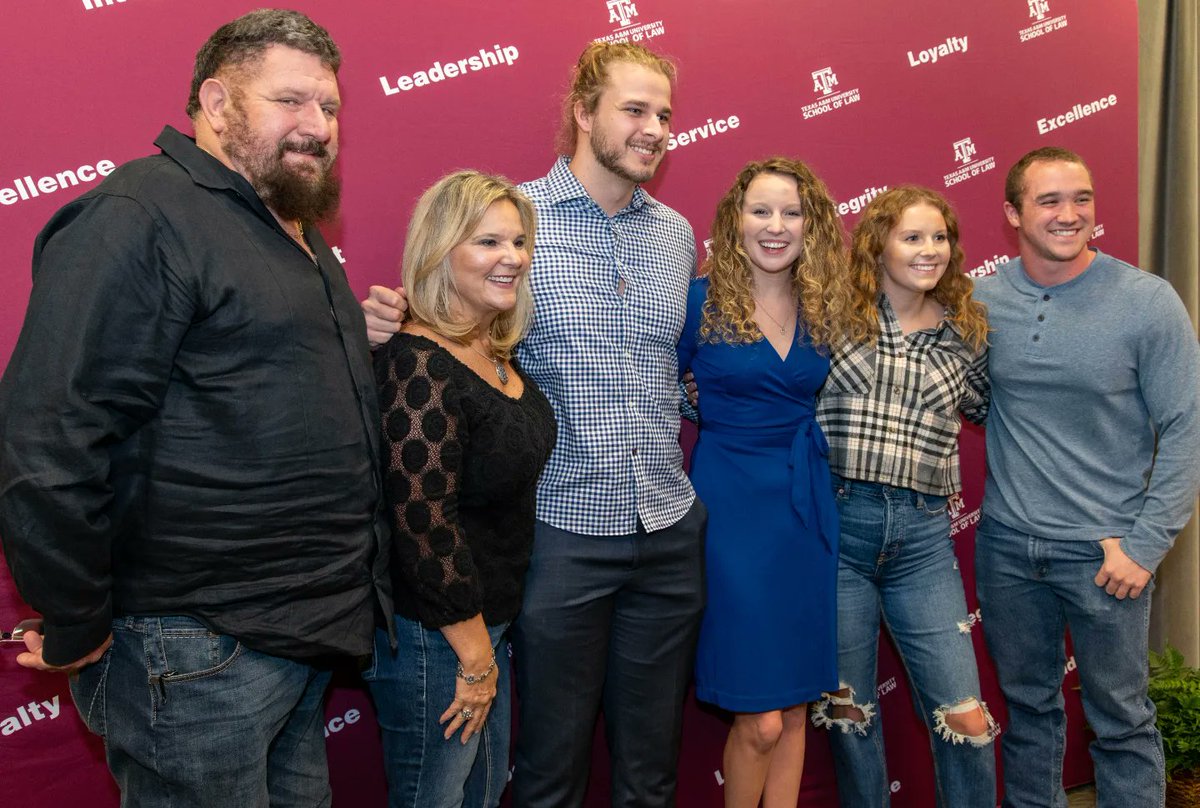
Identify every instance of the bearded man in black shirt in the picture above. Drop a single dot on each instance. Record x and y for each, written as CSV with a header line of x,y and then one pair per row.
x,y
189,481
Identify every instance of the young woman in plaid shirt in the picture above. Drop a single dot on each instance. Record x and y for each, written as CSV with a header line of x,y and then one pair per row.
x,y
916,357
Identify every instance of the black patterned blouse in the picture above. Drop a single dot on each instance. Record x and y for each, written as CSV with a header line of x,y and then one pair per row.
x,y
462,461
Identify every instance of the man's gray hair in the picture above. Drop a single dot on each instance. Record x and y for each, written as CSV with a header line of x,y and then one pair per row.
x,y
246,39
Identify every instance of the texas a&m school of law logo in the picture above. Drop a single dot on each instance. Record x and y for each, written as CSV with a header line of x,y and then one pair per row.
x,y
824,82
623,14
1043,23
968,166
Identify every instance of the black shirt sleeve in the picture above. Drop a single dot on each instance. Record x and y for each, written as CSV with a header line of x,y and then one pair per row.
x,y
424,434
106,315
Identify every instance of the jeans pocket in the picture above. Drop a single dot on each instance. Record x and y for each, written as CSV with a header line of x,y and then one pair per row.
x,y
87,689
193,652
932,504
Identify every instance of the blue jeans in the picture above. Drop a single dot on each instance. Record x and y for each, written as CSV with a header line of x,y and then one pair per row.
x,y
193,718
411,689
612,620
1031,589
896,557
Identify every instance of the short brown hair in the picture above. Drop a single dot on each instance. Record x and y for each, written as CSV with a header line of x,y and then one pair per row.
x,y
590,76
1014,183
245,40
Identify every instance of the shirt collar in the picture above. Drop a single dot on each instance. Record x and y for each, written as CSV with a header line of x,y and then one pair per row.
x,y
203,168
889,324
1020,279
565,186
206,170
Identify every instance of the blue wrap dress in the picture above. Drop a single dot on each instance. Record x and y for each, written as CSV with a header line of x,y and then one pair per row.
x,y
769,635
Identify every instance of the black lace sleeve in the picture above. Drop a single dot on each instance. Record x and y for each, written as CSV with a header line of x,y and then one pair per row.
x,y
423,435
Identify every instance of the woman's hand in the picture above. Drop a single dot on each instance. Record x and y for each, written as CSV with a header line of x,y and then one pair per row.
x,y
475,685
469,700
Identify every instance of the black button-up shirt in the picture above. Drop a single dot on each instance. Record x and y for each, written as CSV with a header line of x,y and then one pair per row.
x,y
188,424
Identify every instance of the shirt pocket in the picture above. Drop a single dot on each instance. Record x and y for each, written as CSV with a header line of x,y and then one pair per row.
x,y
943,379
852,371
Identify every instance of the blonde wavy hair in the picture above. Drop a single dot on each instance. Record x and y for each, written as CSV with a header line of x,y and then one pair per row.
x,y
868,240
446,216
819,276
589,77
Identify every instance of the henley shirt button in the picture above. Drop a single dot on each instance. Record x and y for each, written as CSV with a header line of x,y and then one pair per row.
x,y
1036,337
1045,297
1041,317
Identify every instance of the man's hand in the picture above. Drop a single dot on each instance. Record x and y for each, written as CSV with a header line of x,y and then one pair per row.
x,y
384,310
689,385
32,658
1120,575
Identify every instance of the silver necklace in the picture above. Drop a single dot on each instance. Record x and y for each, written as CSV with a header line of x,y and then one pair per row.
x,y
760,307
501,373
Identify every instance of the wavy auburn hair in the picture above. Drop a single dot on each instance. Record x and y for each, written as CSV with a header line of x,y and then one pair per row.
x,y
445,217
868,241
819,276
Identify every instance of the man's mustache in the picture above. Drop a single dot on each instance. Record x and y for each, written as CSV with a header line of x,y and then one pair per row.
x,y
308,146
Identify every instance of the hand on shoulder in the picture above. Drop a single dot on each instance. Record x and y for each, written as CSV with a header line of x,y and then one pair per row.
x,y
384,311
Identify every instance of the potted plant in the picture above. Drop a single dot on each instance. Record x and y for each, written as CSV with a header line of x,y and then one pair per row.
x,y
1175,691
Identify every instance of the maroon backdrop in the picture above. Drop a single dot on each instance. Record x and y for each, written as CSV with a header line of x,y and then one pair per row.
x,y
871,94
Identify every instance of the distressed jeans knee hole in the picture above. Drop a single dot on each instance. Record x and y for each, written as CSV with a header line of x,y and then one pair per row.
x,y
838,709
969,721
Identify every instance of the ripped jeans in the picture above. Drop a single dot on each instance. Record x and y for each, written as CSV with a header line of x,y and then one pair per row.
x,y
896,559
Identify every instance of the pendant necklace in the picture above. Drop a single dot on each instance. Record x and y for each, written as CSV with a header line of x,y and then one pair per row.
x,y
760,307
501,373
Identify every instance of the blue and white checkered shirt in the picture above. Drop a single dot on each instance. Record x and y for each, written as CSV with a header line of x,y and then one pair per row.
x,y
606,360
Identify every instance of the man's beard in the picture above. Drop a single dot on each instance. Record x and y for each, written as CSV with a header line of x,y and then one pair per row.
x,y
609,156
290,193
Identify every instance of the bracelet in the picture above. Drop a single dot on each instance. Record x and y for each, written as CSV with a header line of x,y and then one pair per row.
x,y
473,678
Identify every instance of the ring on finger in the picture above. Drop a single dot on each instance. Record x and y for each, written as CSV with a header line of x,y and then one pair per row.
x,y
467,713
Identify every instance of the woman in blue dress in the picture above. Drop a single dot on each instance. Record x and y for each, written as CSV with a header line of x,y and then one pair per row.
x,y
773,295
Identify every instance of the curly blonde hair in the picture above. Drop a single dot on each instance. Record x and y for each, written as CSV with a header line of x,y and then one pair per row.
x,y
446,216
819,277
868,240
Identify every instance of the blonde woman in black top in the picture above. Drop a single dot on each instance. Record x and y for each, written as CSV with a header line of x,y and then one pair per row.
x,y
466,435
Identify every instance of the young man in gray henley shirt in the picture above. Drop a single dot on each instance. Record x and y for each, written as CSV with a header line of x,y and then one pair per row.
x,y
1093,363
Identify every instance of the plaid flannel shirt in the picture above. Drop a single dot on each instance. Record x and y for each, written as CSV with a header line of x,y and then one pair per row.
x,y
890,408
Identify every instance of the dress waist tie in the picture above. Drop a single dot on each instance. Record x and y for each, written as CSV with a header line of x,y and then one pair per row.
x,y
812,486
